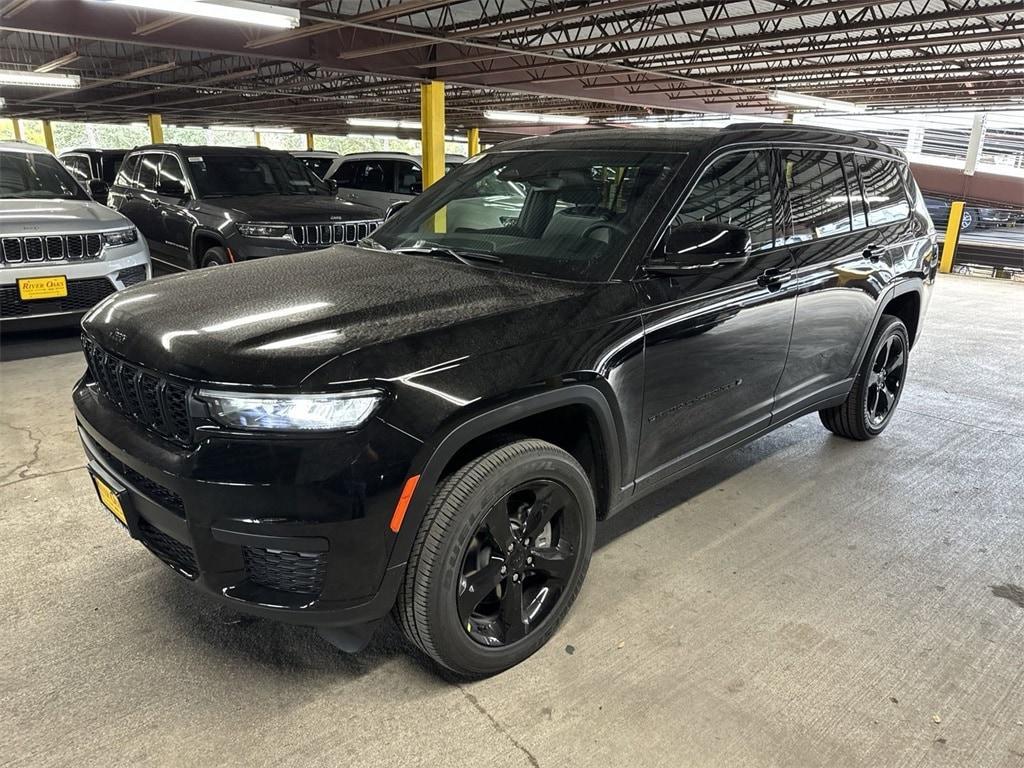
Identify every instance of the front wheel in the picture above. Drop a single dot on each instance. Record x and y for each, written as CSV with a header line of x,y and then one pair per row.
x,y
877,389
215,257
499,558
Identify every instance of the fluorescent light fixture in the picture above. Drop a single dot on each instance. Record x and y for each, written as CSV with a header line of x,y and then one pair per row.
x,y
534,118
814,102
38,79
225,10
273,129
378,122
248,128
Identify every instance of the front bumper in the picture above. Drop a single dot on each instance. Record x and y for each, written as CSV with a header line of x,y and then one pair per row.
x,y
89,282
295,529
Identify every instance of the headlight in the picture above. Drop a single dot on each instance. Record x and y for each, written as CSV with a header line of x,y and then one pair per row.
x,y
120,237
263,230
307,413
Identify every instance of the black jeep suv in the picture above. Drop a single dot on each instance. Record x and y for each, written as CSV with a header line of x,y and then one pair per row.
x,y
432,423
207,206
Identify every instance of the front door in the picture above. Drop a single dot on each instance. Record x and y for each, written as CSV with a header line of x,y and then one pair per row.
x,y
143,206
176,221
717,339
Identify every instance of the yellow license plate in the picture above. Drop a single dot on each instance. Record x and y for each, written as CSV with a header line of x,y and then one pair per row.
x,y
53,287
110,500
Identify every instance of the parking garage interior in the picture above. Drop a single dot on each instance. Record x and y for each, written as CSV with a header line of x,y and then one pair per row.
x,y
802,600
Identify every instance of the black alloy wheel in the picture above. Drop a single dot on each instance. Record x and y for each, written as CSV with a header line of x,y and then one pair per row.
x,y
519,562
885,382
499,558
878,386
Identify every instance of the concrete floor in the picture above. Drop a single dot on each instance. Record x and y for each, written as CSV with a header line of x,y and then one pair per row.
x,y
806,601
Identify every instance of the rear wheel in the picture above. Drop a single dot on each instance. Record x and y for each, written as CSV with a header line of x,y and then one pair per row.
x,y
215,257
877,388
969,220
499,558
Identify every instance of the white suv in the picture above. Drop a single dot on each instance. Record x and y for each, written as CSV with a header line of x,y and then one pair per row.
x,y
60,252
378,179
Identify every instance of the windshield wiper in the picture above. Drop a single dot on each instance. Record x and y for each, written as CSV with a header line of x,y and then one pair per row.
x,y
461,256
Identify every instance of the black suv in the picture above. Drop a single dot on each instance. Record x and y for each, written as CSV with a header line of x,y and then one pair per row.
x,y
94,169
207,206
431,424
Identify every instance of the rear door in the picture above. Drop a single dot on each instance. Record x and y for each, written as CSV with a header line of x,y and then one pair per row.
x,y
717,338
842,264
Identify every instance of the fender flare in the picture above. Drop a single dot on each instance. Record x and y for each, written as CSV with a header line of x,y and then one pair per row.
x,y
197,233
900,288
434,456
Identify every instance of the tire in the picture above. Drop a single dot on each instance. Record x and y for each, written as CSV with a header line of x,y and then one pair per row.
x,y
969,220
466,509
215,257
859,417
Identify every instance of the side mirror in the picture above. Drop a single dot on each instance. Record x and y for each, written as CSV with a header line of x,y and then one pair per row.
x,y
700,245
332,186
394,208
171,188
98,190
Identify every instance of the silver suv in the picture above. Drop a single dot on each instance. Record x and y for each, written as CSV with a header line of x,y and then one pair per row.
x,y
60,252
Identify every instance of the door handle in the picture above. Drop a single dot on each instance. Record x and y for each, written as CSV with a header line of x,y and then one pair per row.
x,y
873,252
773,277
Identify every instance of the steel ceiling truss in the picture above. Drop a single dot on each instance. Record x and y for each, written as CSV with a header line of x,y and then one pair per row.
x,y
363,57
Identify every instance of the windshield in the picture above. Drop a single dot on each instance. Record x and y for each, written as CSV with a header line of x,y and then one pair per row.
x,y
35,176
230,174
565,214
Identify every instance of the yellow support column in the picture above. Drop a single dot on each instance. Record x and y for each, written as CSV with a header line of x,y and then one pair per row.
x,y
259,139
949,243
432,138
309,141
48,136
17,128
473,136
156,129
432,119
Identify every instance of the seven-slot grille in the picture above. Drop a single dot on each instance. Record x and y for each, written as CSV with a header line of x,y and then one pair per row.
x,y
34,249
348,233
159,405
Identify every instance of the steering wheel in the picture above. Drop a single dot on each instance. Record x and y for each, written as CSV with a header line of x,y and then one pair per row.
x,y
613,226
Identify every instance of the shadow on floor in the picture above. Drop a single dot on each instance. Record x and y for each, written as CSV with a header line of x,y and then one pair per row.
x,y
27,344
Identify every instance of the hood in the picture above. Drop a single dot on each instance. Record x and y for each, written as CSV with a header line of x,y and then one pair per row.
x,y
275,321
291,209
57,217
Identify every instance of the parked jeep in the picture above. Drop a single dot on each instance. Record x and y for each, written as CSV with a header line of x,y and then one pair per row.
x,y
431,424
60,252
209,206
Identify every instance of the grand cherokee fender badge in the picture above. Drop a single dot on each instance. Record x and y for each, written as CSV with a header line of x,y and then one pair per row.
x,y
699,399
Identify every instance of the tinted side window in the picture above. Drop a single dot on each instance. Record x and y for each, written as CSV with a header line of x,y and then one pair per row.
x,y
78,166
346,174
818,200
410,178
735,189
170,169
884,189
318,165
126,175
374,175
148,171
